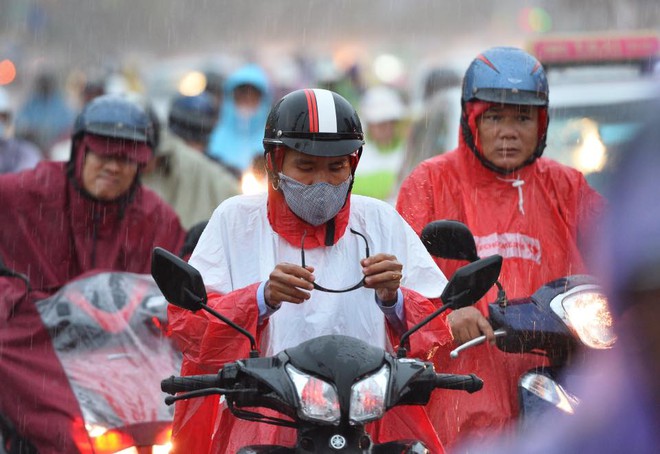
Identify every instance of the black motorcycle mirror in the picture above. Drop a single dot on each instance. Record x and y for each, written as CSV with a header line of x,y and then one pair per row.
x,y
468,284
183,286
449,240
454,240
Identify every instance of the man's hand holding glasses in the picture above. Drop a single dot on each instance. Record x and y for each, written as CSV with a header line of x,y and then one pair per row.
x,y
293,283
383,273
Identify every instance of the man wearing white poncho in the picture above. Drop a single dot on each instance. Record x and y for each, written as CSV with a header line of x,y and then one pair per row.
x,y
305,260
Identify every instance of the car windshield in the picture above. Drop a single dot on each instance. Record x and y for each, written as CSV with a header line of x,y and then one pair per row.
x,y
588,137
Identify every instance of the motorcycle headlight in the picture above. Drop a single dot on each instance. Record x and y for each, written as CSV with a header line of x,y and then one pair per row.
x,y
587,314
368,397
318,399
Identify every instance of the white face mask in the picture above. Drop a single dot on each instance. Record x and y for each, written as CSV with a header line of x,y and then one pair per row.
x,y
245,112
314,203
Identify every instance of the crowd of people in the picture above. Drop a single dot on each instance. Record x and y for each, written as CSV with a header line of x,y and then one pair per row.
x,y
130,181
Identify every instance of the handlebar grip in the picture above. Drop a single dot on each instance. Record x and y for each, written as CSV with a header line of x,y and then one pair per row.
x,y
175,385
470,383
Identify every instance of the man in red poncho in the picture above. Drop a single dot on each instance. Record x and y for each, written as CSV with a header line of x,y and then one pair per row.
x,y
532,211
58,222
249,256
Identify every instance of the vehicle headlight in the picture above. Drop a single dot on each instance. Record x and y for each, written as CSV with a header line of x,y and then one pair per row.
x,y
318,399
368,397
588,316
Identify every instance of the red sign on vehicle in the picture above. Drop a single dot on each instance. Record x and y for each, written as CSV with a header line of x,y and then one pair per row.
x,y
585,49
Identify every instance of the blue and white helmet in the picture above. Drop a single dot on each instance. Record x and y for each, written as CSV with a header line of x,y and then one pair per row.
x,y
506,75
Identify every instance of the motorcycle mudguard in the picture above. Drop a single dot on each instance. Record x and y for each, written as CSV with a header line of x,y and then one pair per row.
x,y
540,393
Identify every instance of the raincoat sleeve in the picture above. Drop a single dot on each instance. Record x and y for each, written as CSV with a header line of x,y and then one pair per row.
x,y
207,344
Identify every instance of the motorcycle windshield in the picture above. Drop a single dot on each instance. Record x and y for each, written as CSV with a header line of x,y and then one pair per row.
x,y
108,333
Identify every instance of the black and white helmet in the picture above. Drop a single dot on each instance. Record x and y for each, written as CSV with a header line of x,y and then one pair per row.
x,y
316,122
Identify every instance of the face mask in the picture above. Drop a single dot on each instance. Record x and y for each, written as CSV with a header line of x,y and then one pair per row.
x,y
315,203
245,112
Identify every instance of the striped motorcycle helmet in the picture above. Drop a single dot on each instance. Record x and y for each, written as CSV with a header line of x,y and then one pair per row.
x,y
316,122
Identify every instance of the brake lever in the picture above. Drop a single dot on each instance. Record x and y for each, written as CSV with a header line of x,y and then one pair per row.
x,y
476,341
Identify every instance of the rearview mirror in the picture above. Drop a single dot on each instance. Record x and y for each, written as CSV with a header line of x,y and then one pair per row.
x,y
471,282
449,240
181,283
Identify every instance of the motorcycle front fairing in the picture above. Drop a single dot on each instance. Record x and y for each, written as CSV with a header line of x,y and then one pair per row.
x,y
108,331
341,362
538,324
533,325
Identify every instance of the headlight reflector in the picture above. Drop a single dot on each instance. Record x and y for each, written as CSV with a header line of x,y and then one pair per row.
x,y
318,399
368,397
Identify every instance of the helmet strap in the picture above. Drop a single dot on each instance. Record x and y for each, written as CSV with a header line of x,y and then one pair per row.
x,y
274,156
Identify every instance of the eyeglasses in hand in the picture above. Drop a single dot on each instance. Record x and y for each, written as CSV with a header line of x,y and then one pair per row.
x,y
323,289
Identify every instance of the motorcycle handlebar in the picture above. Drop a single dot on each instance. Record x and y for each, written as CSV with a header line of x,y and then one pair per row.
x,y
175,385
470,383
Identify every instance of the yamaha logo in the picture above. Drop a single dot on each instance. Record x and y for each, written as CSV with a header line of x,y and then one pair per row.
x,y
337,442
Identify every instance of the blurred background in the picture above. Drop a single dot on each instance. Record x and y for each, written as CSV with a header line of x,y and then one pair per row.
x,y
69,35
160,47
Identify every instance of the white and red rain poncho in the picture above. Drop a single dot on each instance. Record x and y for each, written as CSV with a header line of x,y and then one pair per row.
x,y
244,240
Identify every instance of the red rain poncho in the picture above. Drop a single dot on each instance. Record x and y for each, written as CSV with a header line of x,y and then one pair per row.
x,y
208,343
535,224
53,234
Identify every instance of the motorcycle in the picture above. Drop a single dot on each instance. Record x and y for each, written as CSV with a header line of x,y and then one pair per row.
x,y
566,320
108,332
328,387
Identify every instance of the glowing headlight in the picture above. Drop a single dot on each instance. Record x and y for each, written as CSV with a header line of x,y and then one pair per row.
x,y
591,156
368,397
588,316
318,399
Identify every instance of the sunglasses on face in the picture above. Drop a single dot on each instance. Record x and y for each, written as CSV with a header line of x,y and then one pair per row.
x,y
324,289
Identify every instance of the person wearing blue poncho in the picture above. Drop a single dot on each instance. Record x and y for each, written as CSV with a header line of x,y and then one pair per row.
x,y
236,139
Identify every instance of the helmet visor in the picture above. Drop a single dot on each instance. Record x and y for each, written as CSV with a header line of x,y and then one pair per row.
x,y
138,152
509,96
320,144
